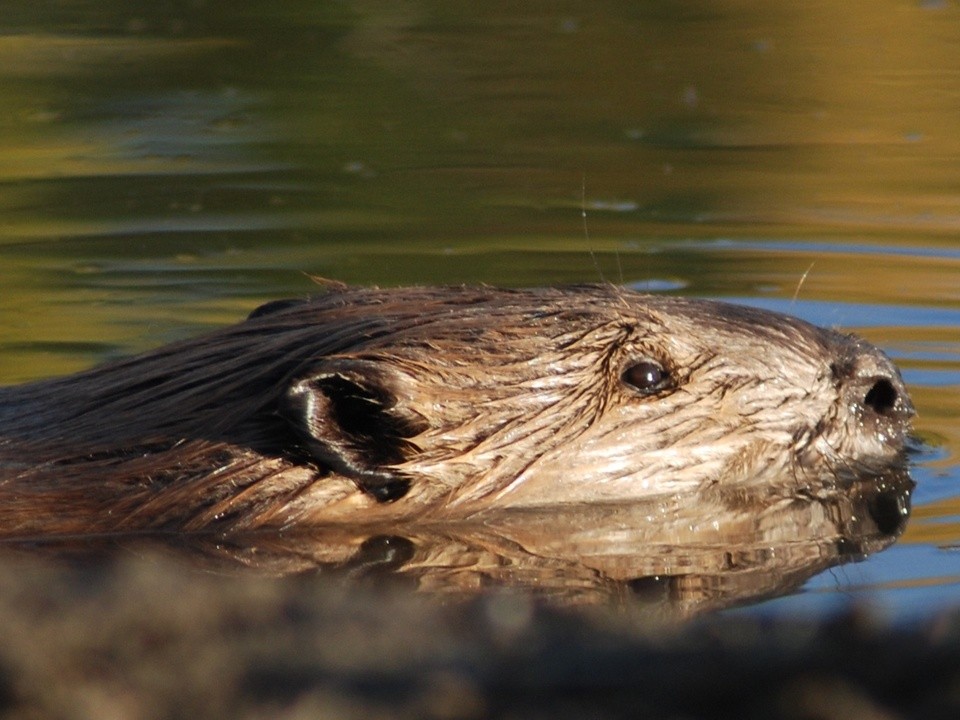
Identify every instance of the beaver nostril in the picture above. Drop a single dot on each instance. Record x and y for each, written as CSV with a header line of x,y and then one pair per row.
x,y
881,397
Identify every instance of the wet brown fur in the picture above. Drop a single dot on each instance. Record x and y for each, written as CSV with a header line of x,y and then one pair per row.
x,y
366,404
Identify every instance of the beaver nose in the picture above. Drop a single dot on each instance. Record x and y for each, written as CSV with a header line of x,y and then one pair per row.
x,y
887,397
872,384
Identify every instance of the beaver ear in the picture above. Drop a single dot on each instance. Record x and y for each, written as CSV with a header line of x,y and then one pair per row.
x,y
348,418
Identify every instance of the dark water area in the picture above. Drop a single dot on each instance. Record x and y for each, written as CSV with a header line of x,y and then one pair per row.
x,y
164,169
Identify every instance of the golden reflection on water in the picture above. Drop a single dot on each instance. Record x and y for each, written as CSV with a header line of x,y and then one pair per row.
x,y
811,118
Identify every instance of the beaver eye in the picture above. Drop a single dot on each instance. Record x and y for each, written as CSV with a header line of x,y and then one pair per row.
x,y
647,376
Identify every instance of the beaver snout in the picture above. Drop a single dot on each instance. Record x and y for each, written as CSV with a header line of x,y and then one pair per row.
x,y
873,386
877,405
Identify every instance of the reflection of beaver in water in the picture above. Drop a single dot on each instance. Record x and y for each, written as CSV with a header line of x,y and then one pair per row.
x,y
367,404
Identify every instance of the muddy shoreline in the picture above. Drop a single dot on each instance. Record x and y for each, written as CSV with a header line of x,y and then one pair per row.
x,y
147,637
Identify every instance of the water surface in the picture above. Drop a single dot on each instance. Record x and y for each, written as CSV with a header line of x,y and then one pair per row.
x,y
163,171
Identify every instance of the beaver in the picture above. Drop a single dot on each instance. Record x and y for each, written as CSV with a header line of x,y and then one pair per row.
x,y
431,404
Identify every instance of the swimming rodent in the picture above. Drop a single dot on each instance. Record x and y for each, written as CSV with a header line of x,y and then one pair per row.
x,y
365,405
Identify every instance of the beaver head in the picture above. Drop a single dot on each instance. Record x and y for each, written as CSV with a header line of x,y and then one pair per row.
x,y
366,404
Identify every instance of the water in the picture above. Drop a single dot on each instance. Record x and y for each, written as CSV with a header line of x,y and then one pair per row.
x,y
164,170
